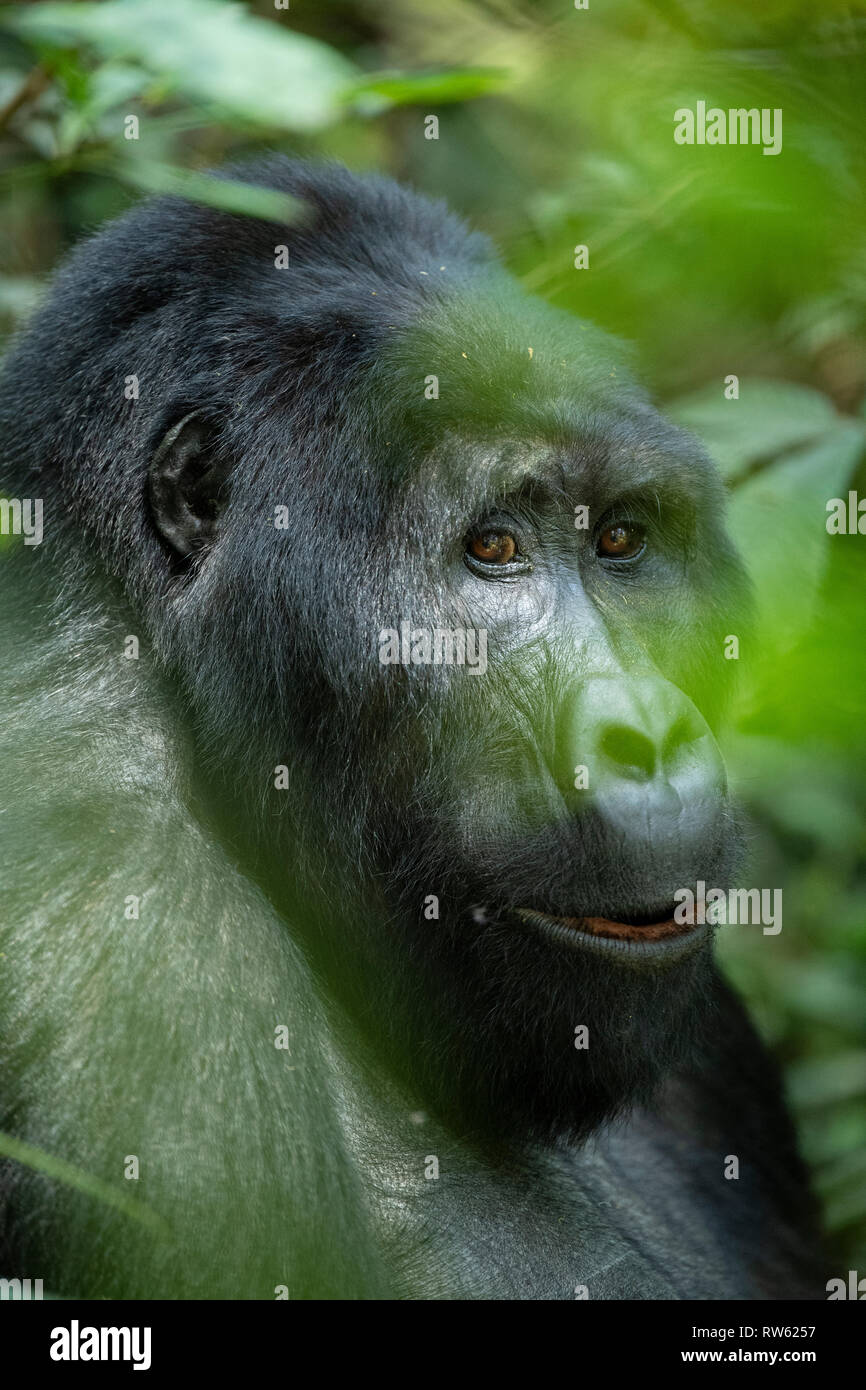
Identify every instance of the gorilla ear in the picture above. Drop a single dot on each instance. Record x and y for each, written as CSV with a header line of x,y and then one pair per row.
x,y
187,486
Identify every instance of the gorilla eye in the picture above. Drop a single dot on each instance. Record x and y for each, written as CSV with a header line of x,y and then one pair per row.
x,y
621,541
493,547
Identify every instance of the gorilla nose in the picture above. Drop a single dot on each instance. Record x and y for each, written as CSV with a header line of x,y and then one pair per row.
x,y
651,763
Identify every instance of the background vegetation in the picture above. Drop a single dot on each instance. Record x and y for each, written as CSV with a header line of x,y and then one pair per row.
x,y
556,128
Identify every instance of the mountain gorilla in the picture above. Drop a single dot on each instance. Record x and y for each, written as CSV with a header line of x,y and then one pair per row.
x,y
358,737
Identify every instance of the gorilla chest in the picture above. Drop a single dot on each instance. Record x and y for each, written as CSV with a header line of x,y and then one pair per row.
x,y
565,1225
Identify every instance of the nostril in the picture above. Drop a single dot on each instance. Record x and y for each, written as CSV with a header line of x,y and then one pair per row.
x,y
629,749
679,737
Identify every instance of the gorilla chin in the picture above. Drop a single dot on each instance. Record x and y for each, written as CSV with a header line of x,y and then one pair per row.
x,y
546,1023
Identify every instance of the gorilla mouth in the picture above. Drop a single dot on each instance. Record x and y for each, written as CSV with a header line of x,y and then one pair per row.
x,y
643,929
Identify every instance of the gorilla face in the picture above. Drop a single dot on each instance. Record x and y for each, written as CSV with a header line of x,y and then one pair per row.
x,y
589,787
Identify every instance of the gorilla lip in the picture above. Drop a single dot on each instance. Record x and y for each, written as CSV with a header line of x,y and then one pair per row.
x,y
640,933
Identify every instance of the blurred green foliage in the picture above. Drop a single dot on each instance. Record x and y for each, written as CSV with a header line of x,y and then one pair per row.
x,y
556,129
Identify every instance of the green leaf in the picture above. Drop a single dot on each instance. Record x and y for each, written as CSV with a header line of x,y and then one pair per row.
x,y
450,85
61,1171
248,199
112,85
786,452
211,50
769,419
779,519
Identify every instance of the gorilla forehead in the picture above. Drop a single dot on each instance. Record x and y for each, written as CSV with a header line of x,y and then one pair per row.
x,y
591,457
569,417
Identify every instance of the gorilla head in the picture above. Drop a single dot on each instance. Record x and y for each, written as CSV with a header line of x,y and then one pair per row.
x,y
444,601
